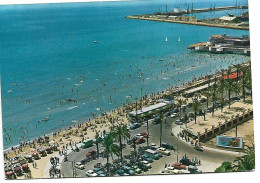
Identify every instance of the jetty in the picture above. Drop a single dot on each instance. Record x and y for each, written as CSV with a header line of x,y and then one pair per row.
x,y
181,17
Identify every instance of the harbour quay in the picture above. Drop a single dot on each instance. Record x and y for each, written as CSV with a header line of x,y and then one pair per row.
x,y
224,44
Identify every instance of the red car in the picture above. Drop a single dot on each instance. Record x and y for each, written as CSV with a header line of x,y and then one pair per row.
x,y
140,141
144,134
91,153
178,166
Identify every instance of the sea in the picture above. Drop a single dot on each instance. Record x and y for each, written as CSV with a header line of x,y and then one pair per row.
x,y
90,53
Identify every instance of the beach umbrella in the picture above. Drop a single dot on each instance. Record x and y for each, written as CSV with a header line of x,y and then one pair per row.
x,y
35,154
16,169
25,165
9,173
27,156
52,142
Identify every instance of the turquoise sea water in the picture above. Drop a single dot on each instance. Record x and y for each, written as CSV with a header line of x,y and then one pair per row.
x,y
46,51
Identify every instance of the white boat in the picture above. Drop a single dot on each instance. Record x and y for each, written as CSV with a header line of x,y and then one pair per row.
x,y
45,119
179,39
166,39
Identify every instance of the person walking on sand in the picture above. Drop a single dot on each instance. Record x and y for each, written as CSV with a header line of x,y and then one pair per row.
x,y
35,165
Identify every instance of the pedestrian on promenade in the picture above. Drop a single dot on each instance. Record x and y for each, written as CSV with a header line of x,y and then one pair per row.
x,y
35,165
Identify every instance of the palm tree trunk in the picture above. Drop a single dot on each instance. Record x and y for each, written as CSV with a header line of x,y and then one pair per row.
x,y
180,112
147,130
107,163
97,149
195,115
121,148
213,109
229,94
161,134
244,93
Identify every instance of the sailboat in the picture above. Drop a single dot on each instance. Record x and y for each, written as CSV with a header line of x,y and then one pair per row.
x,y
166,39
179,39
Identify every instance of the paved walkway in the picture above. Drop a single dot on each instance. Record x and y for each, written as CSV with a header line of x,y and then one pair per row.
x,y
61,158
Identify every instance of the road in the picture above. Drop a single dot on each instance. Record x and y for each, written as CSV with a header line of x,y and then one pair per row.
x,y
210,159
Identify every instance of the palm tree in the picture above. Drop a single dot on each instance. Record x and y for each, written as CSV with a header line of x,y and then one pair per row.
x,y
195,108
97,142
213,96
161,117
207,94
246,162
221,93
238,67
249,82
110,148
186,118
246,81
243,163
229,85
147,130
180,103
120,132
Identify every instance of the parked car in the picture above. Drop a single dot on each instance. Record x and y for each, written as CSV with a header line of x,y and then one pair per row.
x,y
186,161
164,151
193,169
144,134
135,126
165,172
91,173
197,148
140,141
178,166
147,164
174,115
154,146
169,169
178,122
91,153
167,114
139,135
167,146
79,165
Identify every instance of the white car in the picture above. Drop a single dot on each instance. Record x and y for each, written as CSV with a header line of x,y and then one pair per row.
x,y
178,122
165,172
154,146
164,151
79,166
91,173
169,169
146,163
138,135
174,115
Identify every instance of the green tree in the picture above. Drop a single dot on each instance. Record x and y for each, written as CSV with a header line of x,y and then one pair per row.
x,y
229,85
110,148
246,162
120,132
207,94
180,102
222,93
196,108
225,167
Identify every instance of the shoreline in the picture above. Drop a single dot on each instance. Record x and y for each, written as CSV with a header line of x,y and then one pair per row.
x,y
92,121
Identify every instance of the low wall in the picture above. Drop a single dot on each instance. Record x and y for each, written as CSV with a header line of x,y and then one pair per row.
x,y
227,125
